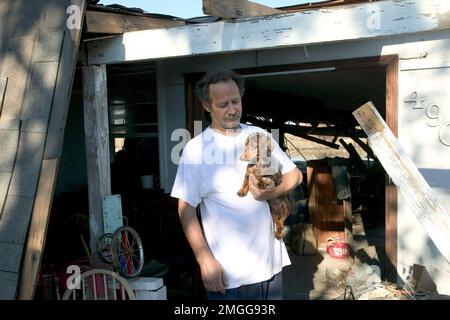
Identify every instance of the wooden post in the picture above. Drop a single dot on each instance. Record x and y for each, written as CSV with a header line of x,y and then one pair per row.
x,y
96,129
422,201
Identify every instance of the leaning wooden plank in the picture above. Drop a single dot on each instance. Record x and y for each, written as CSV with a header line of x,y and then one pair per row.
x,y
422,201
229,9
107,22
96,129
38,229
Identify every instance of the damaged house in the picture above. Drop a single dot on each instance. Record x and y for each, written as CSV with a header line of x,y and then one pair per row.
x,y
92,99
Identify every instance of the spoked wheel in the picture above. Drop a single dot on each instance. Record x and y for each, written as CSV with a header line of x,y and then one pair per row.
x,y
127,252
103,247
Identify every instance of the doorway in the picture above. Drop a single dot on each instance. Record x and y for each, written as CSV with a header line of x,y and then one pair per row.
x,y
311,107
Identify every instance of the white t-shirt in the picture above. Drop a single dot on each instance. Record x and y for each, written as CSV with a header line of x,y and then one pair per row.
x,y
238,230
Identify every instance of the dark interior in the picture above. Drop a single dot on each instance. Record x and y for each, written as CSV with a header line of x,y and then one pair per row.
x,y
312,98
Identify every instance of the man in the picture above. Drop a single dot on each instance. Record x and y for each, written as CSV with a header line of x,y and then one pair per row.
x,y
235,247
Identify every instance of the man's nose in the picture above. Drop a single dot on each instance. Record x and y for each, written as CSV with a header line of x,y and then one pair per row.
x,y
232,110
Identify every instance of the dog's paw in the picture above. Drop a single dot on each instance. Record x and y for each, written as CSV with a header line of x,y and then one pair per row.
x,y
241,193
262,185
278,234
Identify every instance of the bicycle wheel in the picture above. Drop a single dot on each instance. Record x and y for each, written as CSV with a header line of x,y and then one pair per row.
x,y
127,252
103,247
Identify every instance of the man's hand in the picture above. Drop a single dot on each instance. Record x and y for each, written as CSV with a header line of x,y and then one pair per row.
x,y
267,193
290,181
213,275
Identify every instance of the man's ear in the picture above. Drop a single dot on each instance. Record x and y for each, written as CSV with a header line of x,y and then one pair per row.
x,y
206,106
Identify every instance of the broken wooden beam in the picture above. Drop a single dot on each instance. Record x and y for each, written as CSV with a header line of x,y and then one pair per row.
x,y
363,146
116,23
354,155
422,200
230,9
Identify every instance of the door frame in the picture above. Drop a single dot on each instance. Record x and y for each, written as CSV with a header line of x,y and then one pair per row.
x,y
390,63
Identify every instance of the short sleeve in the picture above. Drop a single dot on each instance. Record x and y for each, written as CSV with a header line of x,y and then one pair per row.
x,y
187,181
286,164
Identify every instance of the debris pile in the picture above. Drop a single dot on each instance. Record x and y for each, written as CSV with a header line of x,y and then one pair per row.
x,y
363,281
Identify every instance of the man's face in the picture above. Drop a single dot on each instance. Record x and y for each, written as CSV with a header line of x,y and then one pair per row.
x,y
225,107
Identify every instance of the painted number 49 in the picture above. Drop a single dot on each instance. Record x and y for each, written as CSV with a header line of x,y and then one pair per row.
x,y
432,112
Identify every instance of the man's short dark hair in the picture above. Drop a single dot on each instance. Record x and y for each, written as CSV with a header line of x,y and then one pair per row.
x,y
202,86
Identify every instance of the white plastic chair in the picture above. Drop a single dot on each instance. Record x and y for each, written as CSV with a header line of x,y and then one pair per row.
x,y
101,284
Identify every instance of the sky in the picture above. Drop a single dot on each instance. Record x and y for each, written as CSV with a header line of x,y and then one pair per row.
x,y
189,8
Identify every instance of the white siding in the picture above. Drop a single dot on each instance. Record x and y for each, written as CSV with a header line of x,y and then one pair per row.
x,y
419,136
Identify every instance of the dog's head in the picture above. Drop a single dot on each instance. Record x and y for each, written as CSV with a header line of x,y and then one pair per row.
x,y
258,147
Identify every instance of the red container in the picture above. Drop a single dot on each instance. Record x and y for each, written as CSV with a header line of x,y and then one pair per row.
x,y
338,248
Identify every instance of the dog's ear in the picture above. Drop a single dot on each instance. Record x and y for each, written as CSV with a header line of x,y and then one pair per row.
x,y
247,141
269,144
244,156
252,140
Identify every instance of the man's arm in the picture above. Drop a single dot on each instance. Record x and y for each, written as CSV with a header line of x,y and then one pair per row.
x,y
211,270
290,180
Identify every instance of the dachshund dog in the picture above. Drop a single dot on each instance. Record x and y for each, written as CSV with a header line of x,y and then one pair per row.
x,y
257,151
